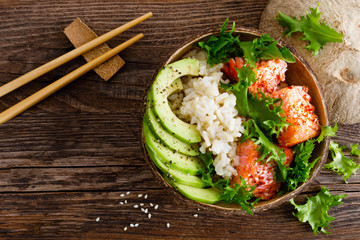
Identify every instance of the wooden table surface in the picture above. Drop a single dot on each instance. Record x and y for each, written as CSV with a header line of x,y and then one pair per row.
x,y
65,162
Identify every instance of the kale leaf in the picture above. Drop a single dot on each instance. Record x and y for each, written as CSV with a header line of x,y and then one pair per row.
x,y
301,172
302,152
317,34
315,211
340,163
240,194
220,48
224,46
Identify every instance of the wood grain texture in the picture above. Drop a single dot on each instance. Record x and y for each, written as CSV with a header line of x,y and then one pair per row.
x,y
65,161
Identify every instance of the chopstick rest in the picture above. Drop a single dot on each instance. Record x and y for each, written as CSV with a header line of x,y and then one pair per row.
x,y
79,33
47,67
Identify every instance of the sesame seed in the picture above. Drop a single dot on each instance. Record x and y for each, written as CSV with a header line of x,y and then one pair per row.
x,y
151,204
143,210
168,225
146,210
122,195
136,206
125,228
140,195
127,193
195,215
149,215
145,196
198,209
156,206
136,224
141,204
132,225
97,219
121,203
125,201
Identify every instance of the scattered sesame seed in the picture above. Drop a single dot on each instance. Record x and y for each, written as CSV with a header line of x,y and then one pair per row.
x,y
195,215
149,215
198,209
151,204
156,206
121,203
136,224
125,228
141,204
136,206
97,219
168,225
140,195
146,210
122,195
125,201
145,196
127,193
132,225
143,210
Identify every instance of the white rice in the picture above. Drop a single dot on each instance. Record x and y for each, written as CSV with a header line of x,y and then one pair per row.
x,y
214,112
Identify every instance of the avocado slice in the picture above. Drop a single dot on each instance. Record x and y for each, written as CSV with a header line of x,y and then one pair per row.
x,y
184,131
177,176
204,195
185,164
165,137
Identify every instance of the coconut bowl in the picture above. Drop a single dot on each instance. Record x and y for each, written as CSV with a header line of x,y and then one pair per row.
x,y
298,73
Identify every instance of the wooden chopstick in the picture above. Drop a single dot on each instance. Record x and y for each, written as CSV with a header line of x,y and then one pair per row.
x,y
60,83
37,72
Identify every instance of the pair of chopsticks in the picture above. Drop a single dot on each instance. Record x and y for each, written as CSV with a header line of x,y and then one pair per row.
x,y
62,82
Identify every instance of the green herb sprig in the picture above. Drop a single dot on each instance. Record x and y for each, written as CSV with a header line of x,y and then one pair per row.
x,y
315,33
224,46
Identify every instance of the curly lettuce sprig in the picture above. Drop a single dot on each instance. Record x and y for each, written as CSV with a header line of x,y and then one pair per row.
x,y
315,33
315,211
267,149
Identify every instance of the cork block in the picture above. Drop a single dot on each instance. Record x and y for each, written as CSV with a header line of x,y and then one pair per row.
x,y
79,33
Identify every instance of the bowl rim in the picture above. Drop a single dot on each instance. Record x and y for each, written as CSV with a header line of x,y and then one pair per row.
x,y
221,207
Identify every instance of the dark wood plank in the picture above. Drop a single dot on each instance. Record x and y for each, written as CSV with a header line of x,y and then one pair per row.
x,y
65,162
73,215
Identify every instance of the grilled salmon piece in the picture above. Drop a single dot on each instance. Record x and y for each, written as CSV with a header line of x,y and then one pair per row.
x,y
300,113
268,75
256,173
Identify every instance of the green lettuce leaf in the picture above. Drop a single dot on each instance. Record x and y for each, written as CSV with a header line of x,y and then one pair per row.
x,y
317,34
340,163
315,211
266,111
327,131
240,89
301,172
354,150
